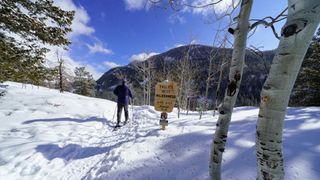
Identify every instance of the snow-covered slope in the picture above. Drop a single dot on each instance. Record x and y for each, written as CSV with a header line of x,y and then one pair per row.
x,y
45,134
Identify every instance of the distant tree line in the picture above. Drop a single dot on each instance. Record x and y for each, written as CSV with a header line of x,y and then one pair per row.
x,y
307,86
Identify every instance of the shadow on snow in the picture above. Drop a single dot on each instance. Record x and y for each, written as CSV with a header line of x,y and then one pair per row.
x,y
186,156
70,151
91,119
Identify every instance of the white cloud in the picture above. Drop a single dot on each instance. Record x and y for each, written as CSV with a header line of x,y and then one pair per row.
x,y
111,64
95,74
98,48
179,45
142,56
191,42
81,19
69,63
79,27
137,4
219,8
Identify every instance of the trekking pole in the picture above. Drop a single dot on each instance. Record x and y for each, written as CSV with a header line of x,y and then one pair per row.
x,y
132,108
132,102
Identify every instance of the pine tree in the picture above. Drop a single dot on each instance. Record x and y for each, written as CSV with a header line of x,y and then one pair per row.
x,y
305,92
25,26
84,83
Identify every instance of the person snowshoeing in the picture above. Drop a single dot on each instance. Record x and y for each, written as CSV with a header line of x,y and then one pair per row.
x,y
123,93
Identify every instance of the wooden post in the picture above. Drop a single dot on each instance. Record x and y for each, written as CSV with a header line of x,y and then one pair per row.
x,y
163,120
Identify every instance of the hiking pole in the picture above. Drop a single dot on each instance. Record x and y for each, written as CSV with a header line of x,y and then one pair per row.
x,y
132,108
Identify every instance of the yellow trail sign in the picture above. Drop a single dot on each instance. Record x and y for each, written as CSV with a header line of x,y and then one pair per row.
x,y
165,96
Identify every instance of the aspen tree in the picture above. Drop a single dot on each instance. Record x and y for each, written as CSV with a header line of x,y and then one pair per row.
x,y
225,110
302,20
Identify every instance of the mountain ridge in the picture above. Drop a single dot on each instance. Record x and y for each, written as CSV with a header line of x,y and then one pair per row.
x,y
256,68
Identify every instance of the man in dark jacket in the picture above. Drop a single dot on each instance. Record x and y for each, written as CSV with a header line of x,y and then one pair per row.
x,y
123,93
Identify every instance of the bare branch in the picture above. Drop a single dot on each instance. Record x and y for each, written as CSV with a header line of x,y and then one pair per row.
x,y
200,6
180,5
264,21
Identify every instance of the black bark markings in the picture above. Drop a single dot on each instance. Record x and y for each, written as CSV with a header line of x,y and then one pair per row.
x,y
289,30
258,133
294,28
266,176
267,87
232,87
221,109
284,54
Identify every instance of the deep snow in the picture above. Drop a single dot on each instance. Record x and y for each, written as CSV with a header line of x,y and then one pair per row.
x,y
45,134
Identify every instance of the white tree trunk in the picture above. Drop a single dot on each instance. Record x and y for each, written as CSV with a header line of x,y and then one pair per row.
x,y
303,19
235,76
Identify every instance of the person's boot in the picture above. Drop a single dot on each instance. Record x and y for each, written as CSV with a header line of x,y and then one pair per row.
x,y
118,124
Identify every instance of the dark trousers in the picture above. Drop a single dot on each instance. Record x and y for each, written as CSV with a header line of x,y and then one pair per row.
x,y
126,113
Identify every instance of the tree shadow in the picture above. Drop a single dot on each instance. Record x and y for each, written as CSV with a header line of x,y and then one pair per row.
x,y
75,151
70,151
90,119
180,157
186,156
301,147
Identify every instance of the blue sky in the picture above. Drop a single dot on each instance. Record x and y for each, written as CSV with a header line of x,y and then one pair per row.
x,y
109,33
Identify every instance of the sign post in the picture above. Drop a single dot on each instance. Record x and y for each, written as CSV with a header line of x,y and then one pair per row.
x,y
164,100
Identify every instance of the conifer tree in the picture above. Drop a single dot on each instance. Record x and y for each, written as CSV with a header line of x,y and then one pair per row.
x,y
84,83
306,88
25,27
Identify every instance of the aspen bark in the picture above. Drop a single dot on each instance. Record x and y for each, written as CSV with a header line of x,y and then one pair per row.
x,y
302,21
235,76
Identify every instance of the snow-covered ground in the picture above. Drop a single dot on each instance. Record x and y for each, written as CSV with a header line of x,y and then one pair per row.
x,y
45,134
